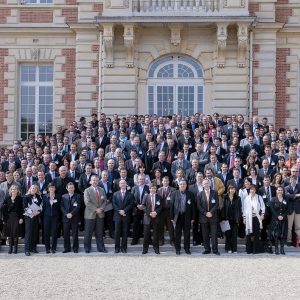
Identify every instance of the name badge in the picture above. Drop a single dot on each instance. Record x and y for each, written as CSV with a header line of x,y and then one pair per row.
x,y
165,170
219,172
110,191
44,192
128,188
264,196
54,201
75,204
158,203
168,198
284,202
102,197
56,162
272,163
140,152
189,202
35,201
213,201
76,180
190,146
175,156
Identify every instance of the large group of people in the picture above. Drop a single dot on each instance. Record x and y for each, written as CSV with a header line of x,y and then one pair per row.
x,y
201,177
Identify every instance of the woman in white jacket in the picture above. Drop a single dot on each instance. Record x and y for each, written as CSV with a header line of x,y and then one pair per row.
x,y
253,214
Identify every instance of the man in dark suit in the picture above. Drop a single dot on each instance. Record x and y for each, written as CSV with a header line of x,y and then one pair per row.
x,y
224,175
272,158
191,173
182,214
267,192
150,157
70,207
292,192
265,170
236,180
165,194
197,188
95,203
161,164
138,192
207,204
123,175
27,181
62,180
108,218
74,174
152,203
251,145
122,203
52,173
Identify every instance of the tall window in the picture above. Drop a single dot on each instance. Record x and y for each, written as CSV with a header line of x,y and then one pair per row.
x,y
36,99
175,85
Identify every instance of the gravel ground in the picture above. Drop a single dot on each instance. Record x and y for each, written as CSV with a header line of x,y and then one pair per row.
x,y
150,277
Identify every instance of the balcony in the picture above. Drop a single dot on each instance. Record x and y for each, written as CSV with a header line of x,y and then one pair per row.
x,y
174,8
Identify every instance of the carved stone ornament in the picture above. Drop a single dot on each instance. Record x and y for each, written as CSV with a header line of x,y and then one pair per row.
x,y
175,34
129,44
242,45
35,54
234,3
116,3
108,42
221,43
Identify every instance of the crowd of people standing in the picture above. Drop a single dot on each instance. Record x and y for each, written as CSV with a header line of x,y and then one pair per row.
x,y
199,176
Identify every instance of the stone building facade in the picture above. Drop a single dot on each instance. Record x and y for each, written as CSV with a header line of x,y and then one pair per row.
x,y
63,59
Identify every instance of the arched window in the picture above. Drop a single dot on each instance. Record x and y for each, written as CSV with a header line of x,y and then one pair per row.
x,y
175,85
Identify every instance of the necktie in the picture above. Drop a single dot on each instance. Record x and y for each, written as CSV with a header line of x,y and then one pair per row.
x,y
28,183
232,161
152,203
123,195
207,200
92,155
268,193
97,197
73,174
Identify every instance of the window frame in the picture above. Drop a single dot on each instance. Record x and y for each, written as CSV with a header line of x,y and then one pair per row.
x,y
37,84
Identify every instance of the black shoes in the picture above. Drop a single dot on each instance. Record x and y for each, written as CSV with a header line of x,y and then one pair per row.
x,y
67,251
134,242
35,251
87,250
177,252
117,250
47,251
206,252
144,252
27,253
10,250
75,251
103,250
124,250
156,251
53,251
217,253
282,250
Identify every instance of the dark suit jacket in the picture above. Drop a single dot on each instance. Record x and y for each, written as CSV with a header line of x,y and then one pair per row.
x,y
138,198
148,208
61,184
129,181
122,204
167,197
23,183
203,207
105,141
83,182
176,203
228,177
164,167
72,207
48,177
232,181
149,160
190,175
237,208
48,210
291,196
28,200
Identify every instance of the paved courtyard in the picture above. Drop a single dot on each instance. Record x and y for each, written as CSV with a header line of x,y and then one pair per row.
x,y
151,277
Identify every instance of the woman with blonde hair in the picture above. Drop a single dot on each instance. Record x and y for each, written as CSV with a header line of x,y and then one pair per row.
x,y
12,210
32,204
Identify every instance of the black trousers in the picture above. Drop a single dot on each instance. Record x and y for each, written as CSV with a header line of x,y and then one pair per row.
x,y
31,233
165,221
67,226
137,226
155,240
210,227
182,225
253,246
93,225
108,222
50,230
121,227
197,236
231,237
